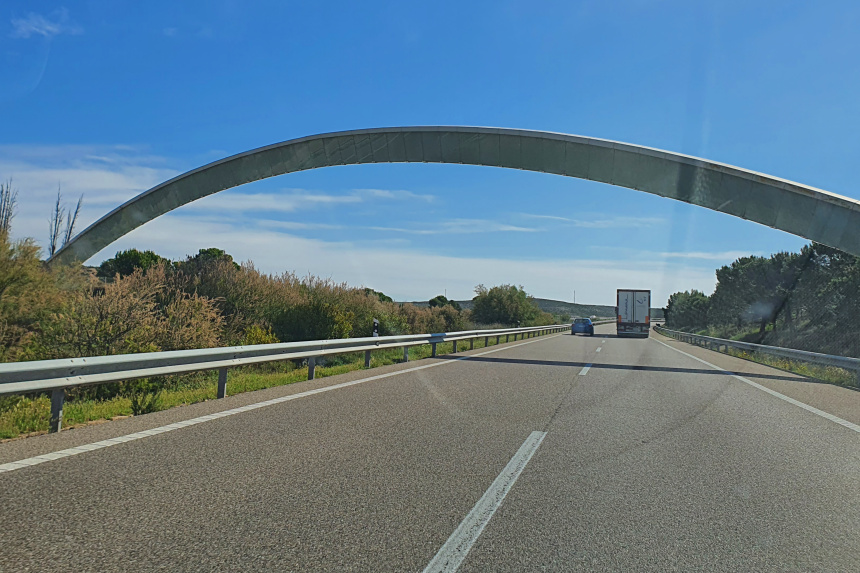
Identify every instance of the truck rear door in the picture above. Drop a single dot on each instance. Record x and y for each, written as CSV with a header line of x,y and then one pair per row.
x,y
642,308
625,306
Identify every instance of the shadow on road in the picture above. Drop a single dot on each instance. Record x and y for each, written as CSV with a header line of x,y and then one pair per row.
x,y
608,335
634,367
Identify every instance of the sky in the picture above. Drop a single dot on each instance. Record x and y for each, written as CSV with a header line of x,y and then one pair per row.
x,y
107,98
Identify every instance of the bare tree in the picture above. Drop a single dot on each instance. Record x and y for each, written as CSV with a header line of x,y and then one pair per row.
x,y
56,223
8,201
59,216
71,219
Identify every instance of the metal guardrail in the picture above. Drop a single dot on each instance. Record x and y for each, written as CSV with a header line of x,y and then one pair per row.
x,y
58,375
852,364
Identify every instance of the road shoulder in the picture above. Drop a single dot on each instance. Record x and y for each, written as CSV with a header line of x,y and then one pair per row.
x,y
836,400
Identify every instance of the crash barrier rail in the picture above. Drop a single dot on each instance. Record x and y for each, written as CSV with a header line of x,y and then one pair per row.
x,y
721,344
58,375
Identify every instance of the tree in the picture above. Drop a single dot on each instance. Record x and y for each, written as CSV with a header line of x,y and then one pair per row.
x,y
382,297
506,304
28,294
688,309
8,202
442,300
126,262
55,223
60,215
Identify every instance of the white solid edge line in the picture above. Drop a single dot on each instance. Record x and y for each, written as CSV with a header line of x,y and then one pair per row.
x,y
799,404
585,370
451,555
42,458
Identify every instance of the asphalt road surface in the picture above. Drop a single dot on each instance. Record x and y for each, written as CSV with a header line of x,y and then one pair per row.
x,y
561,453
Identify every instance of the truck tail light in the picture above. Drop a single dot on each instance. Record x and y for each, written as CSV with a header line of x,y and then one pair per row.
x,y
648,319
619,318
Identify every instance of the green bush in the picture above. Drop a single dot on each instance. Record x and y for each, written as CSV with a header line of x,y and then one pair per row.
x,y
507,304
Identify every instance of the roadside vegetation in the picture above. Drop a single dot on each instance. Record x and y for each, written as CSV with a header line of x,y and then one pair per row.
x,y
139,301
22,415
806,300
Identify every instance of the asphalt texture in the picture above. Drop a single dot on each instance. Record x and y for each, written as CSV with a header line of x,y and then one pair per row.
x,y
651,461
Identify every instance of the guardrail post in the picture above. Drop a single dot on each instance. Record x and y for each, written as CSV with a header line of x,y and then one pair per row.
x,y
312,366
486,341
433,350
222,383
507,338
58,396
405,354
498,338
471,344
455,347
367,358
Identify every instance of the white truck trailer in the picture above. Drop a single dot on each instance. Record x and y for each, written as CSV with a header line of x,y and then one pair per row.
x,y
633,312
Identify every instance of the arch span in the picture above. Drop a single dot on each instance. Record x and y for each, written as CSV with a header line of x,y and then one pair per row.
x,y
798,209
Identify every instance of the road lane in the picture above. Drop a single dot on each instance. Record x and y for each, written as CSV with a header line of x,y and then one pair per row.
x,y
649,467
651,461
373,477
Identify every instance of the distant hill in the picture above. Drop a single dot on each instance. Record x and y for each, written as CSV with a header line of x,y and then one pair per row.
x,y
553,307
558,307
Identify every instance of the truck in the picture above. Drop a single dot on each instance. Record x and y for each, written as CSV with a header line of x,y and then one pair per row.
x,y
634,312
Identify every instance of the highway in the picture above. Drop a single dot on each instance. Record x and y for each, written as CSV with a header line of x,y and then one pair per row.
x,y
561,453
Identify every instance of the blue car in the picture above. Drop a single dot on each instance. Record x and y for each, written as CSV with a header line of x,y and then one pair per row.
x,y
583,326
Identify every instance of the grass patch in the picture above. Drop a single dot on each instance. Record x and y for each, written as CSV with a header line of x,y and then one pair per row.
x,y
21,415
830,374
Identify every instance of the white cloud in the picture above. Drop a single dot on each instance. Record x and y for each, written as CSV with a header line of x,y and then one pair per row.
x,y
619,222
549,217
396,194
297,226
460,226
38,25
107,176
288,202
710,256
409,274
602,223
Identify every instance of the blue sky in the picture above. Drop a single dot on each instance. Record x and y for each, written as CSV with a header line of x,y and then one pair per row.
x,y
110,97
